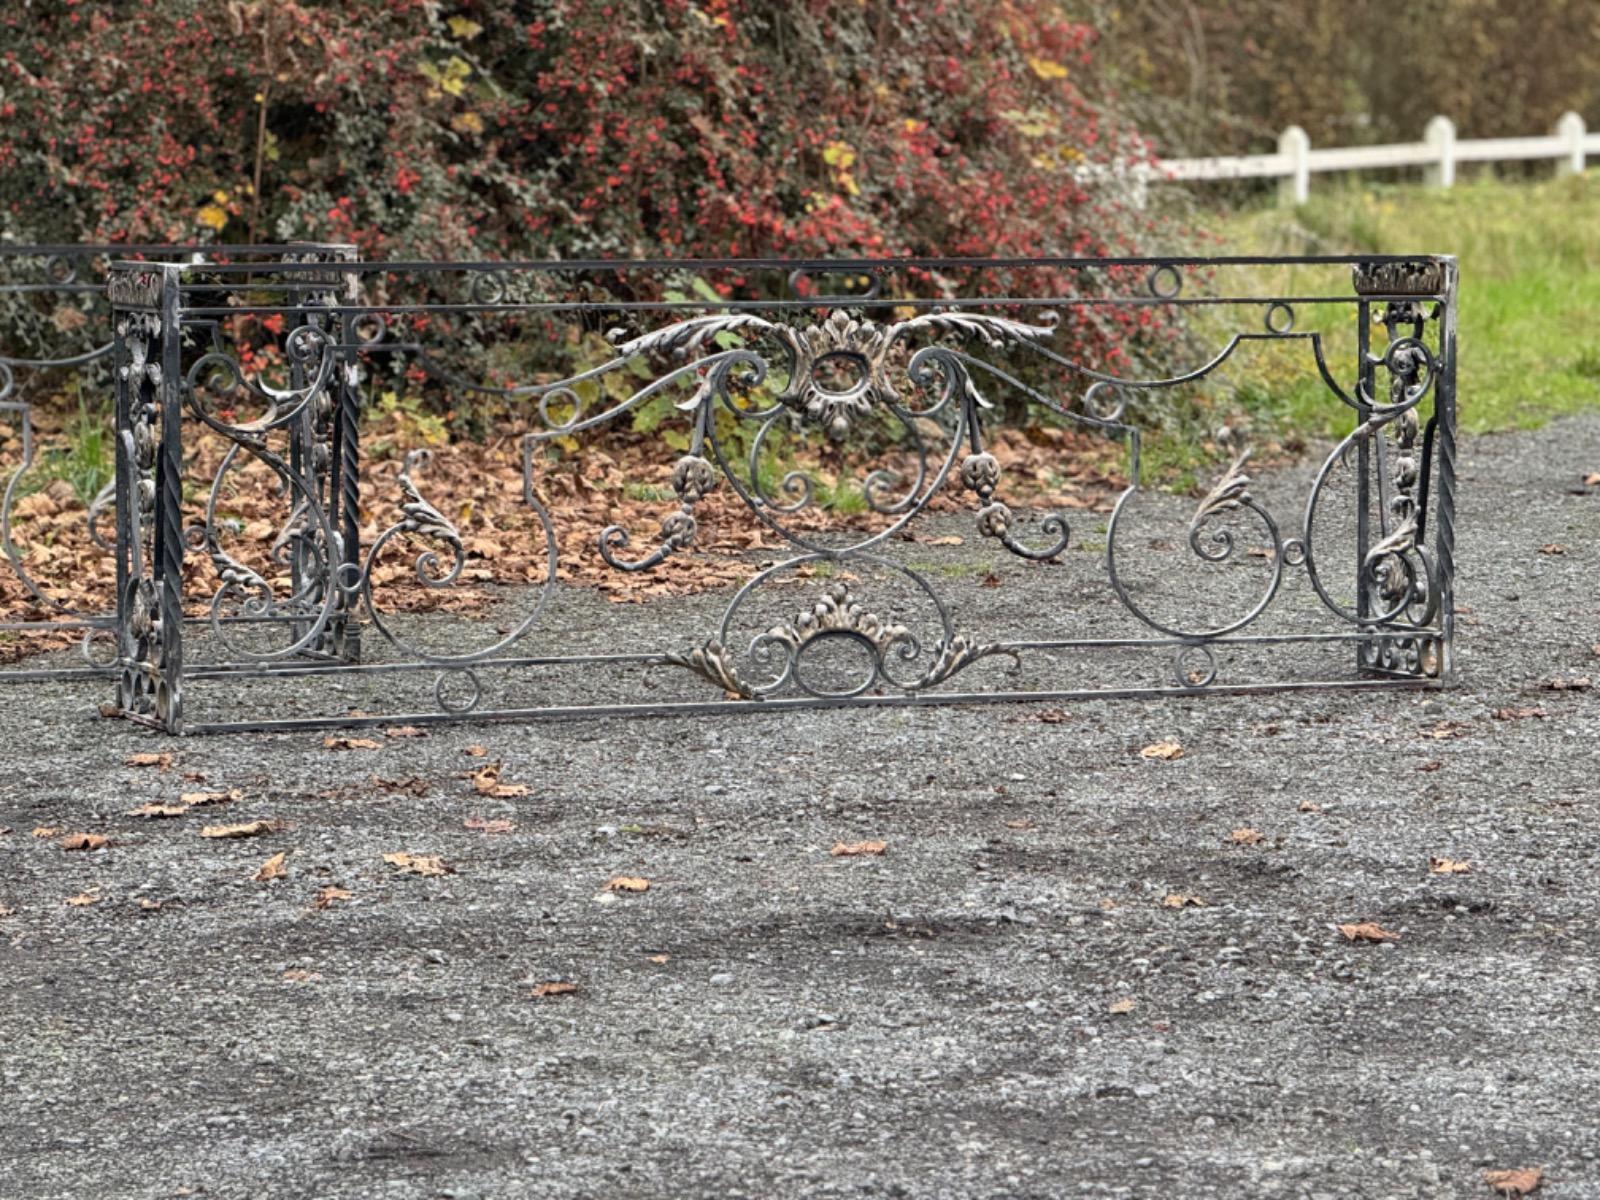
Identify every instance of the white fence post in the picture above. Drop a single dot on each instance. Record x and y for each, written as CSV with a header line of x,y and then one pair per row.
x,y
1295,144
1570,129
1440,137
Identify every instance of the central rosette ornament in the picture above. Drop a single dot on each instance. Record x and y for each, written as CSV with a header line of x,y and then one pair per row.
x,y
840,371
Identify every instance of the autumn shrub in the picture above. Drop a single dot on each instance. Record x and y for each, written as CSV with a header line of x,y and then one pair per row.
x,y
574,129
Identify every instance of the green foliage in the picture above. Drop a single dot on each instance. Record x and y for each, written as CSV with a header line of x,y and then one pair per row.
x,y
1530,286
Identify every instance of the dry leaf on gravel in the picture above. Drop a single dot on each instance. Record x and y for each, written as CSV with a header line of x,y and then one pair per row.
x,y
159,810
1165,751
328,896
201,799
148,905
1119,1007
476,751
244,830
1433,764
1051,716
47,831
7,912
1020,823
1580,683
1525,712
1446,729
554,989
162,761
486,782
660,958
350,743
300,975
418,864
1245,836
1552,548
273,868
415,786
404,731
1368,931
83,899
1515,1183
83,841
1449,866
487,825
627,883
858,849
1179,900
1310,806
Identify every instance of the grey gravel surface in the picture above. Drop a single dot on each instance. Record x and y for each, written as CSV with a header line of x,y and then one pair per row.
x,y
768,1020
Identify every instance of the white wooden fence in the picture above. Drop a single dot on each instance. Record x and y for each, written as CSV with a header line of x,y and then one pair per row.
x,y
1438,153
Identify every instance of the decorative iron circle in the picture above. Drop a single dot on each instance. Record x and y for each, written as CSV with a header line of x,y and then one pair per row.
x,y
1280,318
1165,282
835,637
1191,674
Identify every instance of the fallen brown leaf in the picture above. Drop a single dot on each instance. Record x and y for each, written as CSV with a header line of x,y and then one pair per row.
x,y
858,849
159,810
1433,764
1446,729
201,799
148,759
83,841
486,825
328,896
1245,836
1552,548
476,751
300,975
84,899
415,786
659,958
1515,1183
1119,1007
1310,806
1051,716
404,731
554,989
627,883
148,905
1580,683
350,743
273,868
418,864
244,830
1368,931
1165,751
1525,712
1020,823
47,831
1592,479
948,540
486,782
1449,866
1179,900
6,912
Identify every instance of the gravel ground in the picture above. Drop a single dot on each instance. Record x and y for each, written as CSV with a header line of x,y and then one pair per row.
x,y
1002,1005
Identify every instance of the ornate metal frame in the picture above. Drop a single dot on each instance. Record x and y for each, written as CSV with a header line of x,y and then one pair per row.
x,y
920,349
76,276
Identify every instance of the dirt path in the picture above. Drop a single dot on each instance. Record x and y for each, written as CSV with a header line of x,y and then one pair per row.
x,y
1005,1004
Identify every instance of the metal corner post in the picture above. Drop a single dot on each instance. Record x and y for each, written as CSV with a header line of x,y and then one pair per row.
x,y
1445,518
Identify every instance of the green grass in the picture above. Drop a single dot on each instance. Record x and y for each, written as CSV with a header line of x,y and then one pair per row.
x,y
84,461
1530,290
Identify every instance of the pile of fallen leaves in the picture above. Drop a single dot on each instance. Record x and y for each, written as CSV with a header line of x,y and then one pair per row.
x,y
623,480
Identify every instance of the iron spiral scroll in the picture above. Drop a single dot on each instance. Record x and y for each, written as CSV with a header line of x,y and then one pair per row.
x,y
913,393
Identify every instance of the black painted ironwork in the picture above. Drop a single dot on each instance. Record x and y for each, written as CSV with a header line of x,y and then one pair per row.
x,y
836,410
55,327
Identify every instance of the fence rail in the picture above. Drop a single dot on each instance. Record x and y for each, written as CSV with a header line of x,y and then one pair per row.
x,y
1569,146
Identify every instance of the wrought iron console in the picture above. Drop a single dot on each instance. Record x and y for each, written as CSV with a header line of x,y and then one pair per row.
x,y
825,422
55,323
